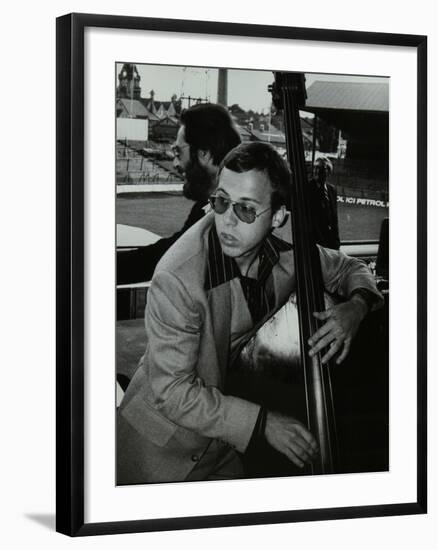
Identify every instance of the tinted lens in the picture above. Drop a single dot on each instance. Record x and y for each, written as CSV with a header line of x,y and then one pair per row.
x,y
219,204
245,213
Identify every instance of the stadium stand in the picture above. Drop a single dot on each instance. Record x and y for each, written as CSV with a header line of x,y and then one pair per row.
x,y
133,167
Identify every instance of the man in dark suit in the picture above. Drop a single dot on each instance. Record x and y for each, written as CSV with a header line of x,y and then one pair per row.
x,y
223,279
206,135
323,204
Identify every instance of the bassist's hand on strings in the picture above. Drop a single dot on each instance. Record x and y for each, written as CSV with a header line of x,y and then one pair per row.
x,y
341,324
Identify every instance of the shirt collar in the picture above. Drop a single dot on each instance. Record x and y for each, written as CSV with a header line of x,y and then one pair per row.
x,y
222,268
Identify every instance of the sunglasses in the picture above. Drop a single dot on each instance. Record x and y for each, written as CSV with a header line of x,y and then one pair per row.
x,y
245,213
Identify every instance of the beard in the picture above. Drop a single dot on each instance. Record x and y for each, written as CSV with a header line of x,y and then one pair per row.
x,y
198,182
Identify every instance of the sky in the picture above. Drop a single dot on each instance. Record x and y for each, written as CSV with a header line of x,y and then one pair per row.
x,y
247,88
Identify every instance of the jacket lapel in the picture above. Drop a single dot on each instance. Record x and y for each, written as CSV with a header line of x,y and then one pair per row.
x,y
219,300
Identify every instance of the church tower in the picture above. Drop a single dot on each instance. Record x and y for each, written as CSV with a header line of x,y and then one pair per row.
x,y
129,82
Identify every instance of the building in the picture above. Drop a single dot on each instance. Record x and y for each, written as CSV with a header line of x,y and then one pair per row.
x,y
129,82
162,116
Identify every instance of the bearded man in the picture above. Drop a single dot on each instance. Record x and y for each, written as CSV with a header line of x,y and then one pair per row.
x,y
206,135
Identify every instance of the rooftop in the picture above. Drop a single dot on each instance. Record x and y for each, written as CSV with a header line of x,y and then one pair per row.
x,y
352,96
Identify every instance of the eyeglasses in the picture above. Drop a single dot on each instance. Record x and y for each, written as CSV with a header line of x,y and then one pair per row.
x,y
245,213
176,149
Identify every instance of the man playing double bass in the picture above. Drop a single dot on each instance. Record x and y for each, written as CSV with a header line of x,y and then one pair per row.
x,y
223,278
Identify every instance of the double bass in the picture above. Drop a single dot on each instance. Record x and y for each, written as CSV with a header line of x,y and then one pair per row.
x,y
275,364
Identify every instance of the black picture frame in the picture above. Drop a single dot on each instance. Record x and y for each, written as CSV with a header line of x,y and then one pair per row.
x,y
70,272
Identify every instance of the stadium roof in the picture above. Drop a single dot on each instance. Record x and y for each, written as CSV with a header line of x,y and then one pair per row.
x,y
360,109
351,96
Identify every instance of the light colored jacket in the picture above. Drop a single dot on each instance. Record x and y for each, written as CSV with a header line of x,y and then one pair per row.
x,y
174,405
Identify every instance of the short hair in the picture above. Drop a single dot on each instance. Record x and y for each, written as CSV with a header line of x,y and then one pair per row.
x,y
263,158
209,127
326,162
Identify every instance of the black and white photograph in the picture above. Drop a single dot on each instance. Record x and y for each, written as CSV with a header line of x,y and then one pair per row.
x,y
252,215
216,275
241,274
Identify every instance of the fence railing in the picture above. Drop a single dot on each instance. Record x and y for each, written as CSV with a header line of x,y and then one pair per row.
x,y
134,177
